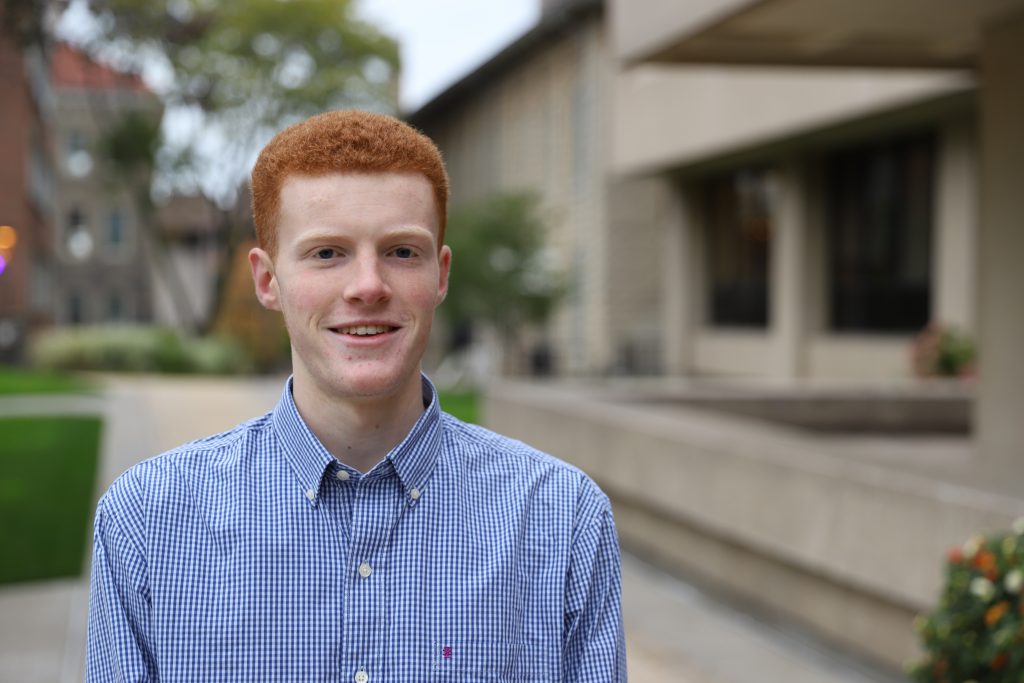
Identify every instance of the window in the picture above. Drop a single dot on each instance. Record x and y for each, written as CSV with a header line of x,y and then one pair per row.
x,y
77,238
75,309
879,213
115,307
115,230
737,227
77,159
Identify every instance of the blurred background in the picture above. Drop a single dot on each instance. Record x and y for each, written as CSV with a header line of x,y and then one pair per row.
x,y
754,265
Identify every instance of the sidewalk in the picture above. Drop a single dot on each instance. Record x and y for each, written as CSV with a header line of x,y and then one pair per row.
x,y
674,633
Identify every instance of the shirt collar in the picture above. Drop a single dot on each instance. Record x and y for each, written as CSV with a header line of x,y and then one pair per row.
x,y
413,459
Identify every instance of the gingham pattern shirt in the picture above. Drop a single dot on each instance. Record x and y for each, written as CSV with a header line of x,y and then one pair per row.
x,y
254,555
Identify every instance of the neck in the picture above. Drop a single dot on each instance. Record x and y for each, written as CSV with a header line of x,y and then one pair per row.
x,y
358,432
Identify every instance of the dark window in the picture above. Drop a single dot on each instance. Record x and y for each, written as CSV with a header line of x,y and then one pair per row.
x,y
737,221
115,229
75,220
879,214
115,307
75,306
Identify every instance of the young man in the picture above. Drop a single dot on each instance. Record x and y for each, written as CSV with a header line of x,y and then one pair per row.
x,y
356,532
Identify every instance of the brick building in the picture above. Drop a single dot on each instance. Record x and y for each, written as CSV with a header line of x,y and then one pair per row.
x,y
26,195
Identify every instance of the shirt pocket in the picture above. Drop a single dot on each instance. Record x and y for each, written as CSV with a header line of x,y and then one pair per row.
x,y
492,660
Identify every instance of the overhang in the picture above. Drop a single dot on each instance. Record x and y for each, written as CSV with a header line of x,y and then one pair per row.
x,y
906,33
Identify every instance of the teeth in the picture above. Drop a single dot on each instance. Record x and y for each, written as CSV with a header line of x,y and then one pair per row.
x,y
364,330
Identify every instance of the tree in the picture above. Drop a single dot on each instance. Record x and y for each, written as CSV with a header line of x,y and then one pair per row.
x,y
238,70
501,275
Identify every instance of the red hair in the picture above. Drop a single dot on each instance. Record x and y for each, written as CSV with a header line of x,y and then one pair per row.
x,y
346,141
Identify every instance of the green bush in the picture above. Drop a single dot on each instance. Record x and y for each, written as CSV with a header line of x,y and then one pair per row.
x,y
977,631
136,348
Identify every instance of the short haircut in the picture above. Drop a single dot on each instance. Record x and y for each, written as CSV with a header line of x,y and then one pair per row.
x,y
346,141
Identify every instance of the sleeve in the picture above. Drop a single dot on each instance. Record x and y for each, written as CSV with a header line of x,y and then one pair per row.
x,y
118,639
593,644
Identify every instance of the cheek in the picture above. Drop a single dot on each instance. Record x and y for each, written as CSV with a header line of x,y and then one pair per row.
x,y
304,296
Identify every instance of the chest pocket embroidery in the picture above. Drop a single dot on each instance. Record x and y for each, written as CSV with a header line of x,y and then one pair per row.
x,y
491,660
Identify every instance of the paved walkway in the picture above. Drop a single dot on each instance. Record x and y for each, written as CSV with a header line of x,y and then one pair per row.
x,y
674,632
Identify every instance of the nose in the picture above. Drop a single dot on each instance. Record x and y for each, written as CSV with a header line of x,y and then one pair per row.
x,y
366,284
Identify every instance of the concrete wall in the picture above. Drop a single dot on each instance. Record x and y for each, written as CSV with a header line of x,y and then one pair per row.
x,y
1001,277
847,541
645,25
542,126
671,116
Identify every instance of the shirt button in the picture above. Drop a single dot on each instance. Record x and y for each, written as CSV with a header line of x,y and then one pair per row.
x,y
311,494
365,570
342,475
362,676
414,494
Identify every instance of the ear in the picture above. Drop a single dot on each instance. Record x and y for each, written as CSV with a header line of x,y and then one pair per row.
x,y
264,279
444,259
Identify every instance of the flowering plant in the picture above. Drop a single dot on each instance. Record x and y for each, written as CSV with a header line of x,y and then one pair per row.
x,y
976,634
939,351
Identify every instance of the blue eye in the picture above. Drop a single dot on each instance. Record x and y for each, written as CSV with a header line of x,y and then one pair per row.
x,y
404,252
325,253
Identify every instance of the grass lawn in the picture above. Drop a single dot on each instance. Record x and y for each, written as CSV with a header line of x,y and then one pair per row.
x,y
47,476
21,381
463,405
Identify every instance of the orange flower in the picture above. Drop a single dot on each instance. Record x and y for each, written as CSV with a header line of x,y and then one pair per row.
x,y
999,662
955,555
996,612
985,561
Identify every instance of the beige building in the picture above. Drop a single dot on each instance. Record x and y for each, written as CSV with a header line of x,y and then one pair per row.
x,y
976,149
708,219
530,119
103,271
785,192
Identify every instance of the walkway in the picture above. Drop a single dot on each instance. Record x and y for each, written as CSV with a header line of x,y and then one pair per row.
x,y
674,632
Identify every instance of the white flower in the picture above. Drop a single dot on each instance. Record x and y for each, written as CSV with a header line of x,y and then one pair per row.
x,y
972,546
982,587
1013,581
1018,525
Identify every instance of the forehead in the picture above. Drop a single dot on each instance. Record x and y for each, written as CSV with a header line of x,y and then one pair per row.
x,y
377,200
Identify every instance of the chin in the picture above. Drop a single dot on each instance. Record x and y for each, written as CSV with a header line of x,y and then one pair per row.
x,y
371,383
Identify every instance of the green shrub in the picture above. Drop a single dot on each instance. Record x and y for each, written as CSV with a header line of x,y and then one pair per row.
x,y
977,631
135,348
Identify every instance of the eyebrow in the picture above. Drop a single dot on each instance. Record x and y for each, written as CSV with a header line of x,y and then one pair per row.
x,y
404,232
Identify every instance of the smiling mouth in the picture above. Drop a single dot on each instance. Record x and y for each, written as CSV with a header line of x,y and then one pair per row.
x,y
364,330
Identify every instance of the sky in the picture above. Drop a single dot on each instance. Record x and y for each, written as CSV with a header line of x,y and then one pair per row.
x,y
443,40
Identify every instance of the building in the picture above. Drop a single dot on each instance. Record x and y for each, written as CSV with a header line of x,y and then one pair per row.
x,y
191,233
26,195
528,119
665,189
786,192
104,243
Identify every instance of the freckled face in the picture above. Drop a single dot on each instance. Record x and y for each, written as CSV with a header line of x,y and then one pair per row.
x,y
357,277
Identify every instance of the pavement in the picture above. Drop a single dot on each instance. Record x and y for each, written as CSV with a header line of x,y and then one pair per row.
x,y
674,632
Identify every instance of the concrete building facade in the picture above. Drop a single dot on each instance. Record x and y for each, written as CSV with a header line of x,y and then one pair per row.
x,y
638,165
527,120
104,272
789,191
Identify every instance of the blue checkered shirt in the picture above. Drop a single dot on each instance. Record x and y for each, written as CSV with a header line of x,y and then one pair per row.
x,y
254,555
